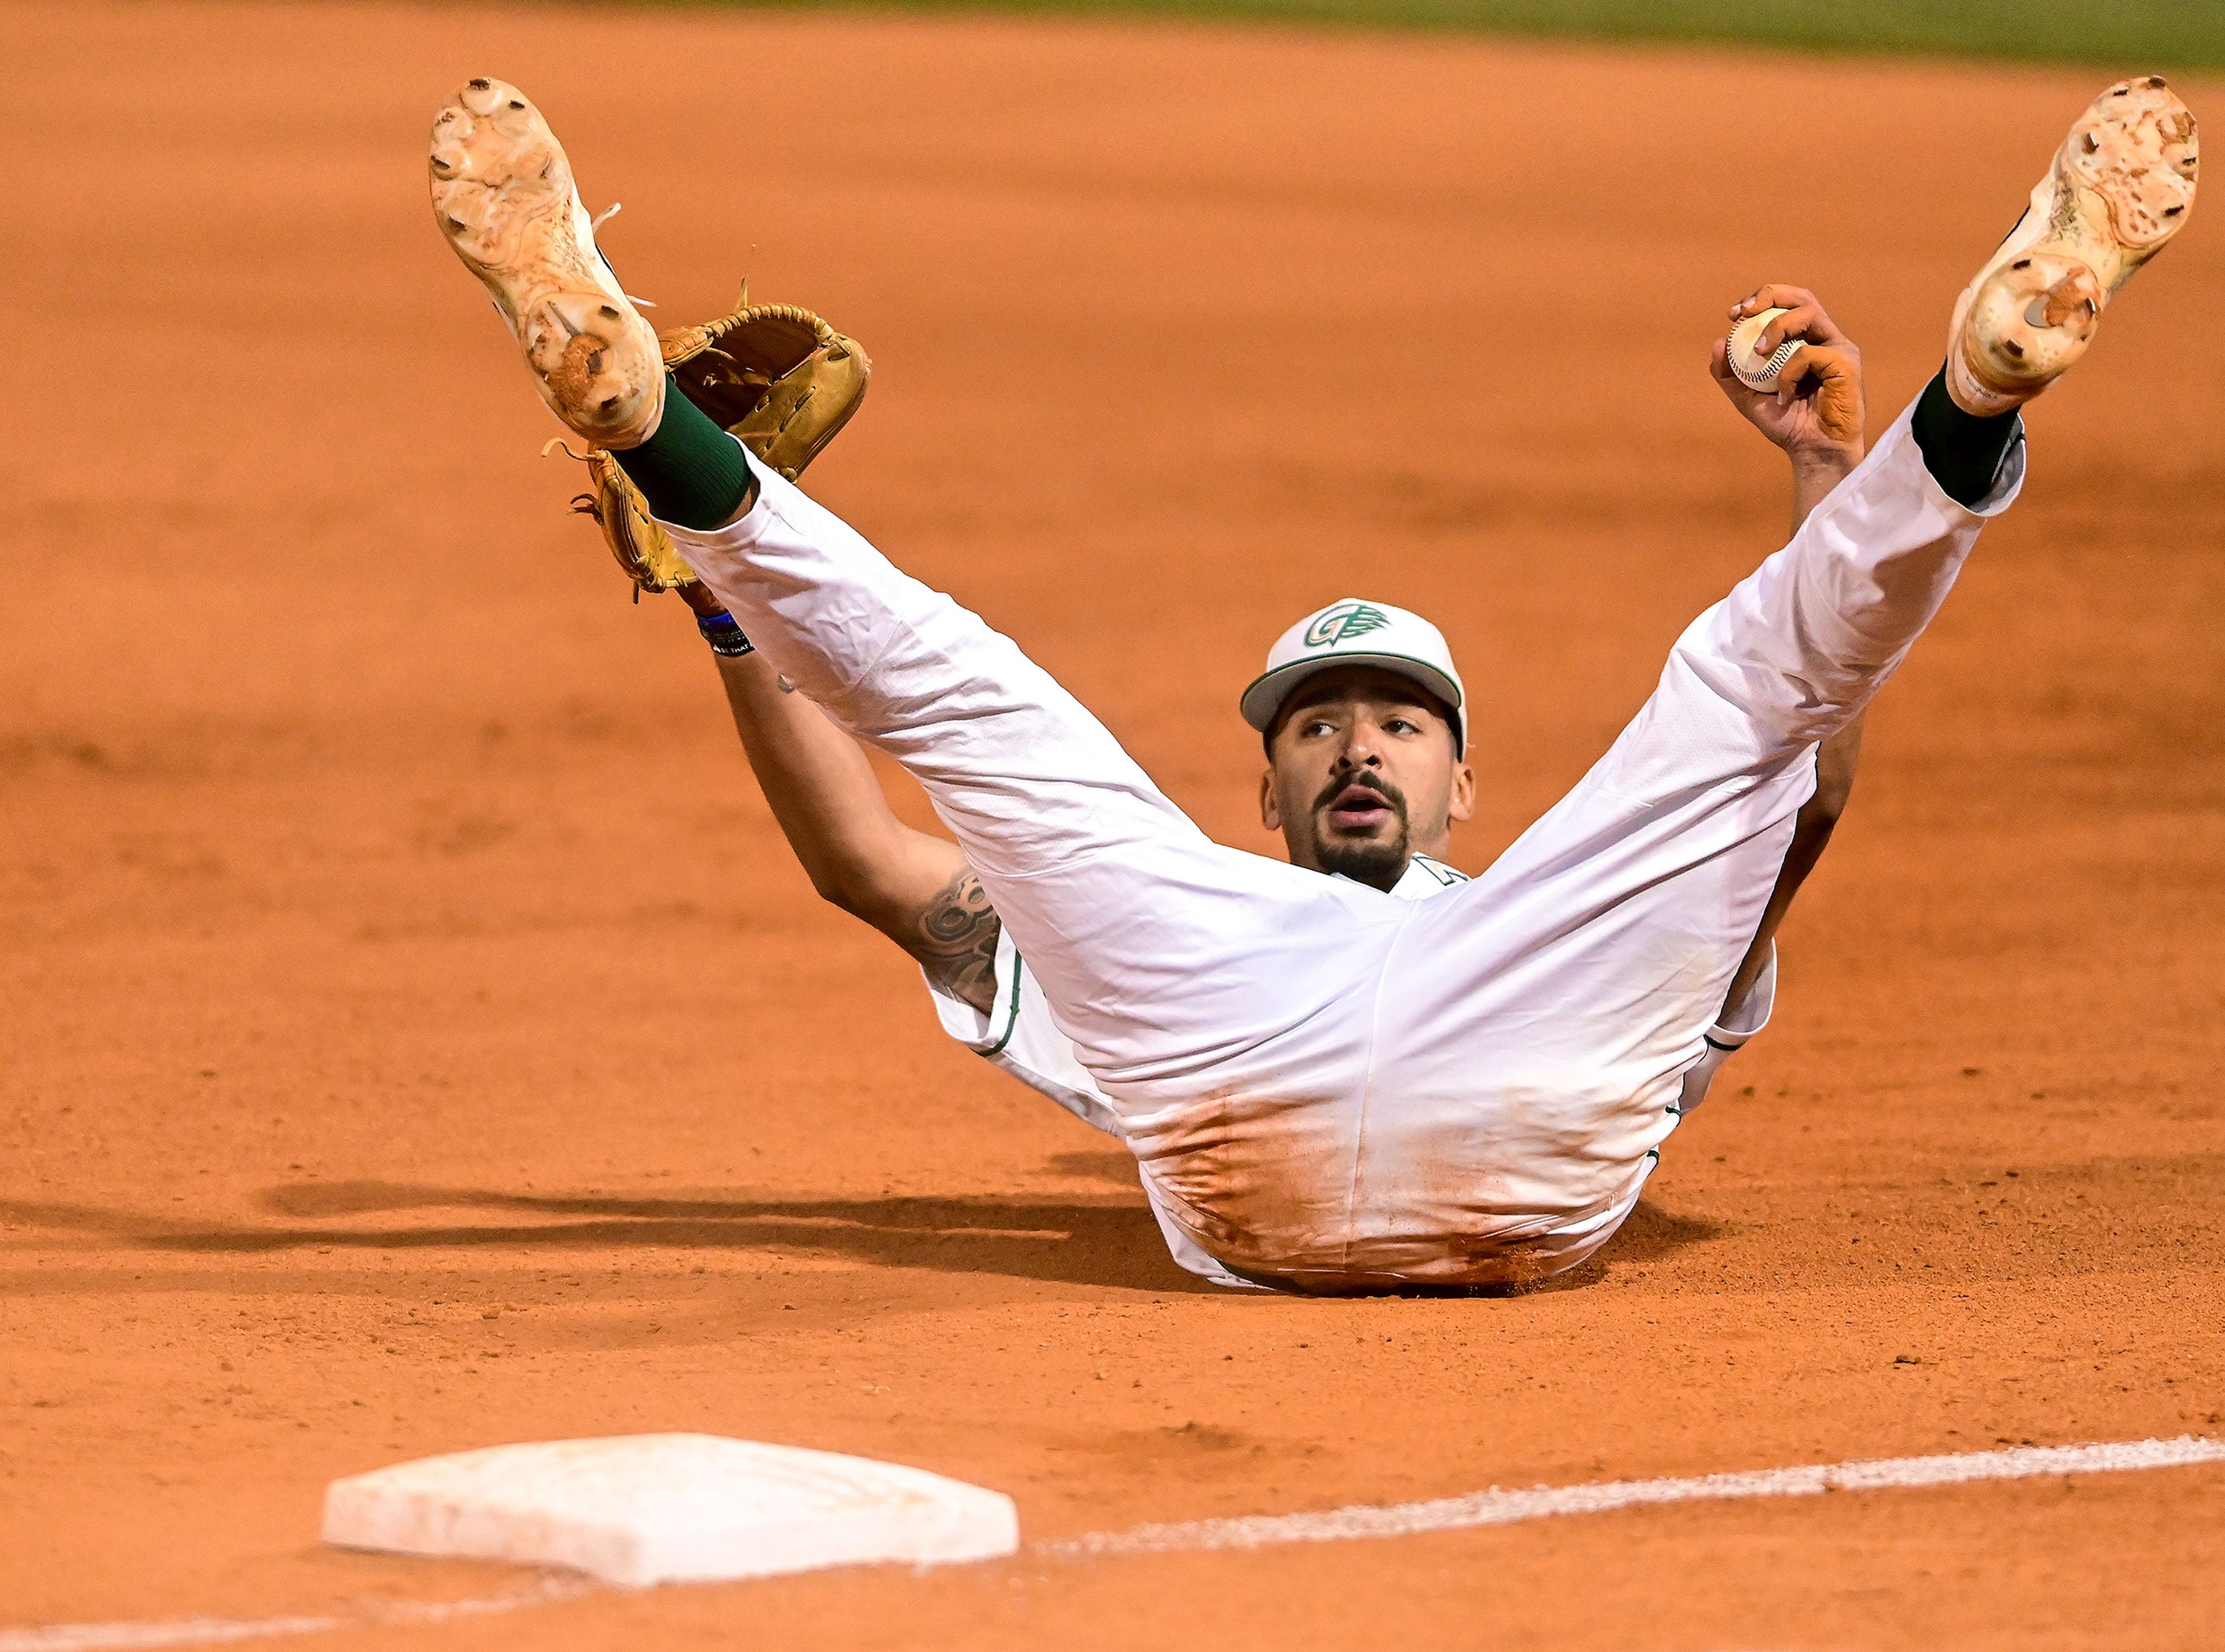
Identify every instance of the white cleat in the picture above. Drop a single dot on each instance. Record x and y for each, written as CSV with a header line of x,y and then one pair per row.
x,y
2122,186
502,196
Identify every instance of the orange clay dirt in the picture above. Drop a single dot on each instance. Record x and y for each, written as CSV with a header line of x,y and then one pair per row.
x,y
418,1037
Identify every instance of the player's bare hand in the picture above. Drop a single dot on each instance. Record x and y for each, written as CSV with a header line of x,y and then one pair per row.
x,y
1816,411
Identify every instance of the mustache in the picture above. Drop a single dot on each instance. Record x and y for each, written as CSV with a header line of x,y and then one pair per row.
x,y
1363,782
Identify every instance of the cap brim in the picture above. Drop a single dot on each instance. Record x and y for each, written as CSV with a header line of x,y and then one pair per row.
x,y
1265,697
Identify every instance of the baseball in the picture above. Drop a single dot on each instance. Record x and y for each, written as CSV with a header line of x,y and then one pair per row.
x,y
1754,371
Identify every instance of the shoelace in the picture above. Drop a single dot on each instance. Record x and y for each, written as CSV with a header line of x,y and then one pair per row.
x,y
594,224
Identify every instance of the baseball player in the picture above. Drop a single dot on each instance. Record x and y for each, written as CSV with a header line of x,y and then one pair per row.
x,y
1357,1069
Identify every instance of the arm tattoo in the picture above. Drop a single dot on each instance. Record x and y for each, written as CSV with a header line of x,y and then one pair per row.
x,y
956,941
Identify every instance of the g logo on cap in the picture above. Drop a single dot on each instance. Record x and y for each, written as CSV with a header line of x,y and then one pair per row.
x,y
1352,632
1345,620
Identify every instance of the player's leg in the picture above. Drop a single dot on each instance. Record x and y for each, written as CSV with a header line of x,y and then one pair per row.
x,y
1165,956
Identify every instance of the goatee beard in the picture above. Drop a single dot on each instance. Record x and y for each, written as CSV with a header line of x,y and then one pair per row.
x,y
1378,865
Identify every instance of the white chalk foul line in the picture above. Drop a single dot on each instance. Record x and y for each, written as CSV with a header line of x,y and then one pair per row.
x,y
215,1631
1491,1508
184,1631
1498,1507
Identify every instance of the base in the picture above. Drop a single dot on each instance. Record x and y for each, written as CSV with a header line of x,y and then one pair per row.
x,y
645,1509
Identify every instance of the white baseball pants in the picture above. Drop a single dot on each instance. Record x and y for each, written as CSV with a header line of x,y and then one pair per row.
x,y
1324,1084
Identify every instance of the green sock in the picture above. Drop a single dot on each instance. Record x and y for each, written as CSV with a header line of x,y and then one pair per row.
x,y
692,473
1964,453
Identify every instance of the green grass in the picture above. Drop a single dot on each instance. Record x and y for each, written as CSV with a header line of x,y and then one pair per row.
x,y
2121,35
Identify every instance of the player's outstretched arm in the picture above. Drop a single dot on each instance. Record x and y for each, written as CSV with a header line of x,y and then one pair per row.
x,y
1817,422
914,888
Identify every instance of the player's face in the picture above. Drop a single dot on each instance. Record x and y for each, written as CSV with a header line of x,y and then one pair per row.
x,y
1362,774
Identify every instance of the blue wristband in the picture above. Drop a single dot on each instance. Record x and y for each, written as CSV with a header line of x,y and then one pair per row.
x,y
724,636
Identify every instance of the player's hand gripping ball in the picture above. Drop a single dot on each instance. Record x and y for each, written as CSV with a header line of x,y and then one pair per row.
x,y
1805,395
1755,372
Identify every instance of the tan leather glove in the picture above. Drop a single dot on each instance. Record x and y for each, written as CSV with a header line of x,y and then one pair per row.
x,y
776,375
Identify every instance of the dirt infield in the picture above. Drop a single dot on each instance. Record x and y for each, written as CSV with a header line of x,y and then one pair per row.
x,y
418,1037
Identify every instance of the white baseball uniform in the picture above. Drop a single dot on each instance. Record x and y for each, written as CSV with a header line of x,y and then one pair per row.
x,y
1324,1084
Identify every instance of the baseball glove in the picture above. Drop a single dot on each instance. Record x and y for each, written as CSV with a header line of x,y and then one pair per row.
x,y
776,375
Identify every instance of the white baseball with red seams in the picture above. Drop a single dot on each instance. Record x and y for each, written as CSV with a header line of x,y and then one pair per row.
x,y
1326,1085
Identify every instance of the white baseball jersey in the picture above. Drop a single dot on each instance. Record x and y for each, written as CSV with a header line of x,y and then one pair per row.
x,y
1326,1085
